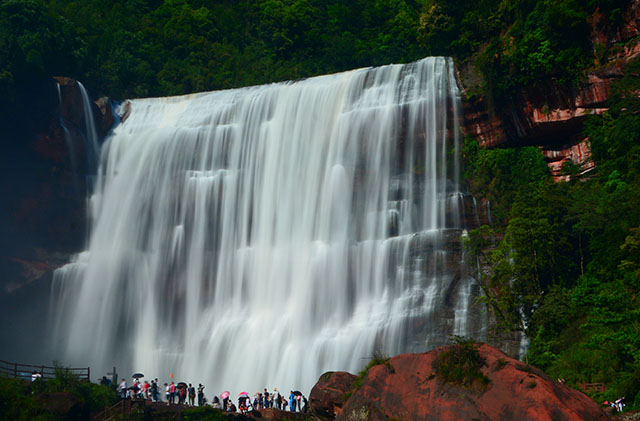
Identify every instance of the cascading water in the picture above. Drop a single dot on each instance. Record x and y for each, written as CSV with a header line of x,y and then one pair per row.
x,y
91,141
67,135
258,237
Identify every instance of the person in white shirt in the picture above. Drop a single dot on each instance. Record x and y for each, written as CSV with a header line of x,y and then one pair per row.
x,y
123,388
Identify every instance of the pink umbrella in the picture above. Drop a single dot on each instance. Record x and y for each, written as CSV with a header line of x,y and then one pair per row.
x,y
225,394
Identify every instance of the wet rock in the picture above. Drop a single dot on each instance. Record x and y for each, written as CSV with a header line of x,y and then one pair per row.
x,y
104,118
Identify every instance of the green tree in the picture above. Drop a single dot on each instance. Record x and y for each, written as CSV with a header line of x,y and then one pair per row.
x,y
34,44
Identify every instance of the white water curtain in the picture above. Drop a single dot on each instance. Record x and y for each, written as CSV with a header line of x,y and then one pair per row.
x,y
258,237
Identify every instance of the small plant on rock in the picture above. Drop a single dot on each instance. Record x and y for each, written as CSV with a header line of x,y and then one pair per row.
x,y
461,364
378,359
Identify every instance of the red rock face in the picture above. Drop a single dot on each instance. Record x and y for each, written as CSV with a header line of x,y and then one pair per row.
x,y
330,393
629,28
408,388
579,154
553,117
489,130
545,115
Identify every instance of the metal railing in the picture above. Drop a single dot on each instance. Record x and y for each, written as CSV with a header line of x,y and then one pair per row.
x,y
592,387
25,371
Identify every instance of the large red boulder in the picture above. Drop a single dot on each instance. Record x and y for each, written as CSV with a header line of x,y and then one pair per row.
x,y
410,387
331,392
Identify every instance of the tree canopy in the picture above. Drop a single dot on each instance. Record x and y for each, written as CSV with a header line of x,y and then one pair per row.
x,y
139,48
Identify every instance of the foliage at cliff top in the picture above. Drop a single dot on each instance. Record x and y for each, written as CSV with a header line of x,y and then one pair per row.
x,y
565,260
137,48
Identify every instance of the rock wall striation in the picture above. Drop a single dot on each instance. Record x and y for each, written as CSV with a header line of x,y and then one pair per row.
x,y
552,116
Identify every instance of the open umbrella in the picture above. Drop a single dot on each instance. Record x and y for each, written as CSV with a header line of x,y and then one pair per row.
x,y
225,394
181,385
244,394
297,393
137,375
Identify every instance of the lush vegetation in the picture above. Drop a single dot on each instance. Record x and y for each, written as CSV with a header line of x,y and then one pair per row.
x,y
461,364
138,48
26,400
566,268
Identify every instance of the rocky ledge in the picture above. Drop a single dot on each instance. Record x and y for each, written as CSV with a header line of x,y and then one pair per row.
x,y
413,387
552,116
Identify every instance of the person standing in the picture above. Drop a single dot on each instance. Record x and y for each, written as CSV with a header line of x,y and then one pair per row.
x,y
145,389
182,397
277,398
135,389
123,388
243,407
154,390
265,396
192,394
292,402
167,394
172,393
200,394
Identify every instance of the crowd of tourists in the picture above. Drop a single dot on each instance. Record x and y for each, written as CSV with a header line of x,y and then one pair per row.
x,y
186,394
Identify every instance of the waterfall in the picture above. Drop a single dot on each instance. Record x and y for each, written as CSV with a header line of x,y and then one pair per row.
x,y
258,237
91,141
67,135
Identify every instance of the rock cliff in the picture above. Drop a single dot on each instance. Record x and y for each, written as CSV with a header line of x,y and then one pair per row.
x,y
411,387
551,115
45,173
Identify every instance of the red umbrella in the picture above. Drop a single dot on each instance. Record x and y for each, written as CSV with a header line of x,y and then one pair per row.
x,y
225,394
244,394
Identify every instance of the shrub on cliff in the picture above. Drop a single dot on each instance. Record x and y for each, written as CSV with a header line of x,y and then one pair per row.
x,y
460,364
378,359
